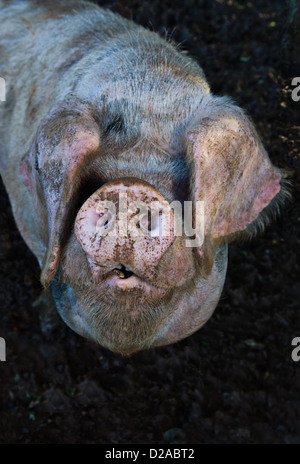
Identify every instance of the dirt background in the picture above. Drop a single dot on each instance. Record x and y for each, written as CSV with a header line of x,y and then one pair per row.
x,y
234,381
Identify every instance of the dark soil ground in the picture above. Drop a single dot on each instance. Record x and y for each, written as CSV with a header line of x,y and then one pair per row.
x,y
234,381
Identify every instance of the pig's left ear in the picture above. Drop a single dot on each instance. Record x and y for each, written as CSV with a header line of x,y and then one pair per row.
x,y
50,170
232,172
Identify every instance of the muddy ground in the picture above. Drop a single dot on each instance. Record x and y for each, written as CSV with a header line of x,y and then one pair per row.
x,y
234,381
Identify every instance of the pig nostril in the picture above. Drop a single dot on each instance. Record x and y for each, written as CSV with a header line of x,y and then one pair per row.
x,y
151,223
145,222
104,220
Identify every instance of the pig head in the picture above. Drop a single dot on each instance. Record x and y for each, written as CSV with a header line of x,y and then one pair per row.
x,y
131,127
143,287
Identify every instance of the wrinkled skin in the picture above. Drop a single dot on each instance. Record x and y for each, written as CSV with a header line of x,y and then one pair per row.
x,y
95,105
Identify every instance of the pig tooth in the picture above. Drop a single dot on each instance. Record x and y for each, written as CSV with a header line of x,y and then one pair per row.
x,y
120,273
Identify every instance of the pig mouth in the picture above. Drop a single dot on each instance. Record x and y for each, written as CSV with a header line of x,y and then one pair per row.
x,y
123,272
126,313
122,281
122,314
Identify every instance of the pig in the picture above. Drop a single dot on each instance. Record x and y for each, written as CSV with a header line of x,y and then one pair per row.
x,y
98,109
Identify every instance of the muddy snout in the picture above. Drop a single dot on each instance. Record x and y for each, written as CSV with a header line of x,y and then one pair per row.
x,y
126,226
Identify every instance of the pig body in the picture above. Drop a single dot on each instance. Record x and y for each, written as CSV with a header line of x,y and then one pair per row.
x,y
95,105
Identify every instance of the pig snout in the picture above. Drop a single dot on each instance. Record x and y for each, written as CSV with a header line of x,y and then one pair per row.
x,y
126,226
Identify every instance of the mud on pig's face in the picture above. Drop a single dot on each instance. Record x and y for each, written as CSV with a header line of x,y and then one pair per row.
x,y
143,286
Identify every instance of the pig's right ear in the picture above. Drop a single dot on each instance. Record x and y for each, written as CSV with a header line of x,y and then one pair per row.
x,y
232,173
65,140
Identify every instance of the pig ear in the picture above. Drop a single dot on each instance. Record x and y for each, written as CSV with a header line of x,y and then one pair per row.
x,y
51,168
233,174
